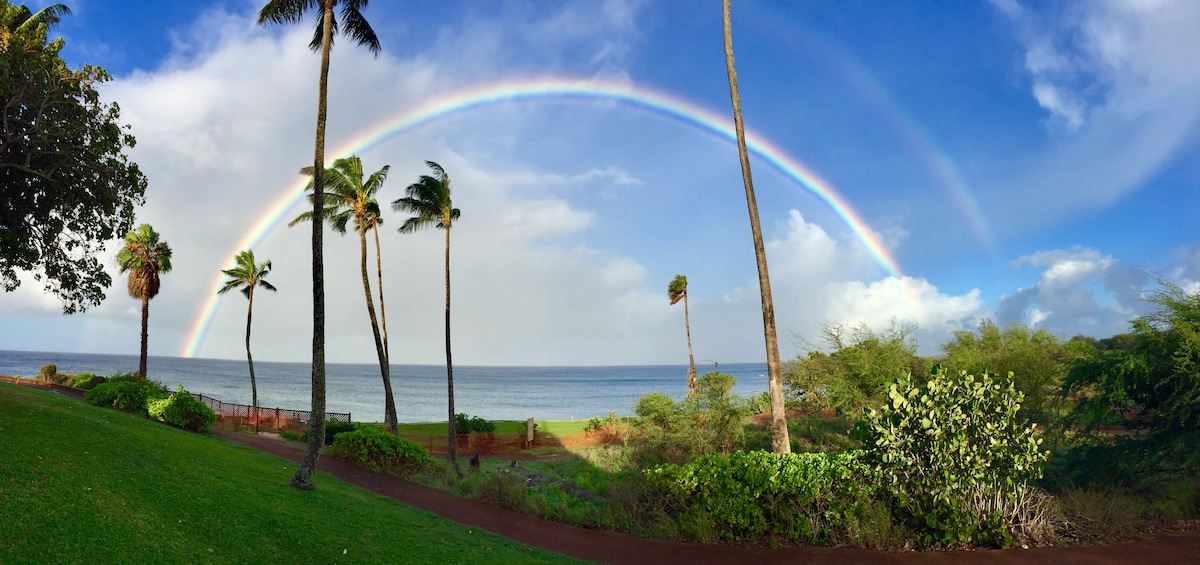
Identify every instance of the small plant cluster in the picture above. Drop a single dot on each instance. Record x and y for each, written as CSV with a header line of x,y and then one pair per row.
x,y
148,399
49,374
711,420
464,424
799,497
332,429
87,381
380,451
955,459
607,424
182,411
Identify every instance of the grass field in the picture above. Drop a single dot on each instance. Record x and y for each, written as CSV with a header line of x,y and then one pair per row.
x,y
84,484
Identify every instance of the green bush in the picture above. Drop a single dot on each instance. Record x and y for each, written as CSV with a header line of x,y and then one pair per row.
x,y
380,451
87,381
129,396
712,420
182,411
955,457
49,374
768,497
332,429
472,425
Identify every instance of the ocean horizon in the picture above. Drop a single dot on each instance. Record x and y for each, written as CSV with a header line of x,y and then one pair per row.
x,y
489,392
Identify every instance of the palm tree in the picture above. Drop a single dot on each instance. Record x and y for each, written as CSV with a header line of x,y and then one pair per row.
x,y
352,198
676,291
144,256
248,274
779,433
429,199
354,25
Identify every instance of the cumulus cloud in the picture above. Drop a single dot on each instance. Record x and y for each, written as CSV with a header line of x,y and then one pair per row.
x,y
1078,290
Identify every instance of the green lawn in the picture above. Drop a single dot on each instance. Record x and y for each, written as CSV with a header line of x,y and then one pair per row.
x,y
513,427
86,484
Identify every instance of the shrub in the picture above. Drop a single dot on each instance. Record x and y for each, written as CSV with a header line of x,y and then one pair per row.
x,y
182,411
129,396
768,497
472,425
712,420
380,451
87,381
954,456
49,374
332,429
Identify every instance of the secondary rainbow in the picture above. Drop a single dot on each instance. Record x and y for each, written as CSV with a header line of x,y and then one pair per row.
x,y
640,97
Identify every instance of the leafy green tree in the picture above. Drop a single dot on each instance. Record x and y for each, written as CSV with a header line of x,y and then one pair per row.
x,y
248,274
1153,382
779,432
676,291
351,197
66,183
1036,359
355,26
429,198
144,257
855,374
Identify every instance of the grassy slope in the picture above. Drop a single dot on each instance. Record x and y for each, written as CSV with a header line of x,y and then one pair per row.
x,y
85,484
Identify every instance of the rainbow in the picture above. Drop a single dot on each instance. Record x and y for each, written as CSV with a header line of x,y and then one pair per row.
x,y
639,97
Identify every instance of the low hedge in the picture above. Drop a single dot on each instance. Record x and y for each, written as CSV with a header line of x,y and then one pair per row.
x,y
380,451
182,411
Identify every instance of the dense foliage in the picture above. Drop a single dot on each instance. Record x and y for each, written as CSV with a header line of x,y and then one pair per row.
x,y
1037,360
380,451
87,381
712,420
132,396
464,424
955,456
66,182
797,497
182,411
856,372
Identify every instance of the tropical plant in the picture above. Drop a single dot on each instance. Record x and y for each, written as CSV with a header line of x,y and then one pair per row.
x,y
429,199
353,198
955,456
779,431
144,257
676,291
66,183
354,25
248,274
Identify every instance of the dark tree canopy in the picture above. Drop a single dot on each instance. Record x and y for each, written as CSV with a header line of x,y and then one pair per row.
x,y
65,180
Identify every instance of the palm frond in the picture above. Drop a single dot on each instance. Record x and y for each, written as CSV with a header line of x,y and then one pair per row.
x,y
285,11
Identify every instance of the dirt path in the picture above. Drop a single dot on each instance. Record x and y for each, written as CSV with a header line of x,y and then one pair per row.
x,y
611,547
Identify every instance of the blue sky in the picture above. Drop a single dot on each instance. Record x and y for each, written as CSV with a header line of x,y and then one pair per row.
x,y
1022,162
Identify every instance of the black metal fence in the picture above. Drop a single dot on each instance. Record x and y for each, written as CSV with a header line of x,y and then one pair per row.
x,y
233,415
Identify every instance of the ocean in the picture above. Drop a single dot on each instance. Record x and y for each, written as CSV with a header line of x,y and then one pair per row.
x,y
492,393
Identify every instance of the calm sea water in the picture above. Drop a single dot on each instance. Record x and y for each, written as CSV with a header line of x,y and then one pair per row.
x,y
494,393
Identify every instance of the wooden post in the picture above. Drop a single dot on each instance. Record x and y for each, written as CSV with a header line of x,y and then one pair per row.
x,y
529,433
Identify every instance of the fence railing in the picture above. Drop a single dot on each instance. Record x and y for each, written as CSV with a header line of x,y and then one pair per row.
x,y
232,415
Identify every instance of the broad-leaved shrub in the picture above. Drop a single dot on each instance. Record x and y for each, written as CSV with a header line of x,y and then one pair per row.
x,y
86,381
182,410
129,396
758,496
380,451
955,456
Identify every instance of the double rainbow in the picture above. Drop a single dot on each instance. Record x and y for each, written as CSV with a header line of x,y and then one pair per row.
x,y
638,97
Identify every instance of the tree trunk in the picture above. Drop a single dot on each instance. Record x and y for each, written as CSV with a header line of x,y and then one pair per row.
x,y
687,326
389,403
145,337
303,479
250,359
779,433
382,313
452,448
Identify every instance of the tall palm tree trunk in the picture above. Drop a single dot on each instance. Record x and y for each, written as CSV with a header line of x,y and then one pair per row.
x,y
382,313
250,359
779,432
145,337
389,403
303,479
452,448
687,326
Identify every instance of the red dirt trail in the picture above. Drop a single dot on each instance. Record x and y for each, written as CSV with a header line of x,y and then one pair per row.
x,y
611,547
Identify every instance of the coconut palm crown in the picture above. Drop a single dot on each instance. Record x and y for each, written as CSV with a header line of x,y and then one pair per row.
x,y
144,257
